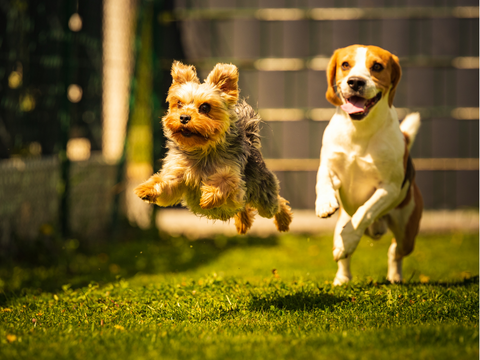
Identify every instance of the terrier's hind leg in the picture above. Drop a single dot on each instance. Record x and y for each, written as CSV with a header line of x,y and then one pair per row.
x,y
244,220
283,217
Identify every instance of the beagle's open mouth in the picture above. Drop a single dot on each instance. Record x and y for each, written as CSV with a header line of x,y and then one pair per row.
x,y
358,107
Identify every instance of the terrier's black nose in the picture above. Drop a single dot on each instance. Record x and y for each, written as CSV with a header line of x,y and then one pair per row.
x,y
356,83
184,119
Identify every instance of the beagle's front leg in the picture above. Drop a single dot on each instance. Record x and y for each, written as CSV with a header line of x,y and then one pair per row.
x,y
365,215
327,185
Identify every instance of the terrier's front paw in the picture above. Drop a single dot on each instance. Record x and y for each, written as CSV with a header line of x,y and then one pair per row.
x,y
147,191
326,207
211,198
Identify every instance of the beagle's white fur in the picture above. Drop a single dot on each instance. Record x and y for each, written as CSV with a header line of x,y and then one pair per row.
x,y
365,168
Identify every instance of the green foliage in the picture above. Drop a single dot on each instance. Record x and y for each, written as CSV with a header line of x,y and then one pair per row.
x,y
218,298
140,142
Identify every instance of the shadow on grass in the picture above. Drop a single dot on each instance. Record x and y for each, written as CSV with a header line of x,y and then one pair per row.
x,y
302,301
48,265
447,284
311,300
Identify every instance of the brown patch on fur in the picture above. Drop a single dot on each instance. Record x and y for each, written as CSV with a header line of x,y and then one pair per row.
x,y
284,216
406,154
406,246
396,74
244,220
413,225
331,95
409,172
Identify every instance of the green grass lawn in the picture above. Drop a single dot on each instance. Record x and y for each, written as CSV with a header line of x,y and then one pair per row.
x,y
170,298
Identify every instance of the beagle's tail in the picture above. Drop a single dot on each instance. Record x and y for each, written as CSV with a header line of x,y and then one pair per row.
x,y
410,126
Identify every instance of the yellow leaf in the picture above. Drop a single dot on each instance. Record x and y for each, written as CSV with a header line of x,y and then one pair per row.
x,y
424,278
11,338
55,297
119,327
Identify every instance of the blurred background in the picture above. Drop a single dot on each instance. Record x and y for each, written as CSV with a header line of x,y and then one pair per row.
x,y
83,86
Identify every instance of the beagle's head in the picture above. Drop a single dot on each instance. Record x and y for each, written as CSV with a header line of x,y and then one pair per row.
x,y
364,76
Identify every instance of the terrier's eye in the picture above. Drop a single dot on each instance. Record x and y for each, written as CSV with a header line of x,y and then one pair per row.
x,y
345,65
377,67
204,108
179,104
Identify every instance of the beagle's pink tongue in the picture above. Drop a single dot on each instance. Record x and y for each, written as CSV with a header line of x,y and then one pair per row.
x,y
355,104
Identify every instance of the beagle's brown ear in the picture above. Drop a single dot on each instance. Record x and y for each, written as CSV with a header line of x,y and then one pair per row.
x,y
396,75
183,73
331,71
225,77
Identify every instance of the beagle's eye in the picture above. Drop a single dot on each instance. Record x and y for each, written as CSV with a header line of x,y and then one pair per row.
x,y
204,108
179,104
345,65
377,67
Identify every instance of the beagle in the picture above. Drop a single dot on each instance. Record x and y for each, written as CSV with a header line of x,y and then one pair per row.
x,y
365,168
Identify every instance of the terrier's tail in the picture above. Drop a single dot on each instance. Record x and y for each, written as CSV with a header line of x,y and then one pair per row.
x,y
410,126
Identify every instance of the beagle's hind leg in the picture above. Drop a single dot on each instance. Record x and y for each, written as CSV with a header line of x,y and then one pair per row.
x,y
244,220
283,217
404,221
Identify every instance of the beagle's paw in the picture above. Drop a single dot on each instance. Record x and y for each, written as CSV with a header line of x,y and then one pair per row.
x,y
395,278
326,206
341,279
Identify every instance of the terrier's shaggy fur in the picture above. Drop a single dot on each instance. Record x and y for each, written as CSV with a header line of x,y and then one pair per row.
x,y
214,165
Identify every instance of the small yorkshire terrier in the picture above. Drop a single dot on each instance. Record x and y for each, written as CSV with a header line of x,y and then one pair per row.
x,y
214,165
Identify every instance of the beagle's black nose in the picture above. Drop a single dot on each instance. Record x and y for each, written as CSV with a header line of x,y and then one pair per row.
x,y
184,119
356,83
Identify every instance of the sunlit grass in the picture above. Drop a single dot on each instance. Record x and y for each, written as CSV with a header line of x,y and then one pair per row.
x,y
171,298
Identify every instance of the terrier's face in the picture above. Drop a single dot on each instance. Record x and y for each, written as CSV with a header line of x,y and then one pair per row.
x,y
199,115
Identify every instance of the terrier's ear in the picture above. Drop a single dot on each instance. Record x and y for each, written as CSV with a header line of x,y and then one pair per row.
x,y
396,74
331,95
225,77
183,73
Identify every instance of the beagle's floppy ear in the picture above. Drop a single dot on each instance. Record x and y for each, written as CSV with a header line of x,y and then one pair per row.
x,y
395,78
225,77
331,70
183,73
